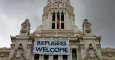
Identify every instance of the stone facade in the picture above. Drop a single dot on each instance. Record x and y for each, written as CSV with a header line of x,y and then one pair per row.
x,y
58,22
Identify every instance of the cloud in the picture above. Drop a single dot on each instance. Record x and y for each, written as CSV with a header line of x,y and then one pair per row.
x,y
13,13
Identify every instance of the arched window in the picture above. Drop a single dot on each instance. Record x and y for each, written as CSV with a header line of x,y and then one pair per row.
x,y
53,20
53,16
58,20
62,20
62,16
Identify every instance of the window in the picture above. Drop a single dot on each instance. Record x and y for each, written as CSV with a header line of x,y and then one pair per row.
x,y
58,16
53,20
36,56
62,16
53,25
46,57
62,20
57,20
55,57
74,54
62,25
65,57
53,17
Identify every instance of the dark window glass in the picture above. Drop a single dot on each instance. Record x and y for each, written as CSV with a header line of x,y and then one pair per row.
x,y
46,57
58,16
53,17
53,25
58,24
62,16
65,56
36,56
74,54
55,57
62,25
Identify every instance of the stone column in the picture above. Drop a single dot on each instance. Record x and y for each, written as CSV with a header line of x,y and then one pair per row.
x,y
65,18
77,52
56,20
70,56
51,20
60,20
41,57
50,57
60,57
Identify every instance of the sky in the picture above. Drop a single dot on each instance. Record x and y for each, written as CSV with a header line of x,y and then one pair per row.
x,y
100,13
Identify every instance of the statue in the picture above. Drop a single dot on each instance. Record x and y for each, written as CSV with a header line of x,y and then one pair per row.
x,y
25,26
86,21
91,53
19,53
87,26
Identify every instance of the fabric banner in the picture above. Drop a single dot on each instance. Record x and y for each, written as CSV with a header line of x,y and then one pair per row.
x,y
51,47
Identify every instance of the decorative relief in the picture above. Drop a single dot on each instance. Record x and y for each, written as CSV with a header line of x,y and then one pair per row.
x,y
82,46
91,53
29,46
19,53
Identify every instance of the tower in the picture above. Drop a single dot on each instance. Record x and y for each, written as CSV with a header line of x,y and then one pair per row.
x,y
56,14
58,18
57,35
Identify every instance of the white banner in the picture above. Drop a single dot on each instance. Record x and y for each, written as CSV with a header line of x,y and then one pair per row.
x,y
51,47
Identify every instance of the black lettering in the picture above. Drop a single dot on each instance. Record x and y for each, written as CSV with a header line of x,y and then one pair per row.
x,y
46,42
38,49
42,42
52,50
38,42
64,43
56,49
65,50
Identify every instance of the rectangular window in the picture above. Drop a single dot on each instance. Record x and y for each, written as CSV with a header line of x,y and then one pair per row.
x,y
36,56
53,25
46,57
55,57
65,57
62,25
74,54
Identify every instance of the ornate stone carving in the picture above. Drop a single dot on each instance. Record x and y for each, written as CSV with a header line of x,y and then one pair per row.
x,y
25,26
19,53
91,53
